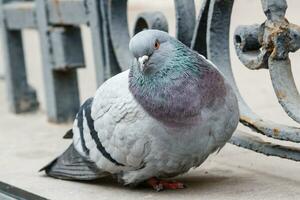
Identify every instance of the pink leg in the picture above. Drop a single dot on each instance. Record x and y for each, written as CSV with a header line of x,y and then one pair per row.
x,y
159,185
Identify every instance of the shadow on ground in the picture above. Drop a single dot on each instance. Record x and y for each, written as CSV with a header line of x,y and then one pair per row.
x,y
196,182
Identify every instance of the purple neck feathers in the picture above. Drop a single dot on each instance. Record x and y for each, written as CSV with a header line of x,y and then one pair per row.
x,y
178,98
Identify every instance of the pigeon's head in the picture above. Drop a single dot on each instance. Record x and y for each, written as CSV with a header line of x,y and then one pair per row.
x,y
151,49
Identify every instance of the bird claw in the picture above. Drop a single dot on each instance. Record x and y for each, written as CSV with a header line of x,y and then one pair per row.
x,y
159,185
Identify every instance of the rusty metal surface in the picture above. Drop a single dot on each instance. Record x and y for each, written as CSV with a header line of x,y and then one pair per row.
x,y
267,46
258,145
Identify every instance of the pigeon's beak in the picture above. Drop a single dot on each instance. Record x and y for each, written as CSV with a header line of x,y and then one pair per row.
x,y
142,62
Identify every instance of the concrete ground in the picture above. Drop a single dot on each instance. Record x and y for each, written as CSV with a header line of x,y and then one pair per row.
x,y
28,141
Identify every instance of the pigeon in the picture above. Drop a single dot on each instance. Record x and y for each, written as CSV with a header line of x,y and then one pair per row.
x,y
162,117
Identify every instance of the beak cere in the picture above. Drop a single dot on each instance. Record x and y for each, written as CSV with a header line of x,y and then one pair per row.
x,y
142,60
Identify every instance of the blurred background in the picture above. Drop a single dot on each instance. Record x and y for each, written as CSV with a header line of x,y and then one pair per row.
x,y
28,141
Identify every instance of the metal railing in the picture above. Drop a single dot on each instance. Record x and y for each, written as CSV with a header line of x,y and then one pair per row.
x,y
258,46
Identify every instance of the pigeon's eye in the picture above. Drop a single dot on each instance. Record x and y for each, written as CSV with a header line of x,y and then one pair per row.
x,y
156,44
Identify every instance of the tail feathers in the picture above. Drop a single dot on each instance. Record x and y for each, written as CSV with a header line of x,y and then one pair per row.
x,y
68,135
72,166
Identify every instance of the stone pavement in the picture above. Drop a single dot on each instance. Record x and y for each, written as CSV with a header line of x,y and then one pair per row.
x,y
28,141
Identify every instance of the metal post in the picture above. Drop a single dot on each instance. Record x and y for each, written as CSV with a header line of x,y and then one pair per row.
x,y
62,95
21,96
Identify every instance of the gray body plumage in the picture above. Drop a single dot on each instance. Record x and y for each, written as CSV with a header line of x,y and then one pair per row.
x,y
137,128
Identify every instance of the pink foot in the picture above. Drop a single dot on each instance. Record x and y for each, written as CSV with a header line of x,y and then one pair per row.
x,y
159,185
